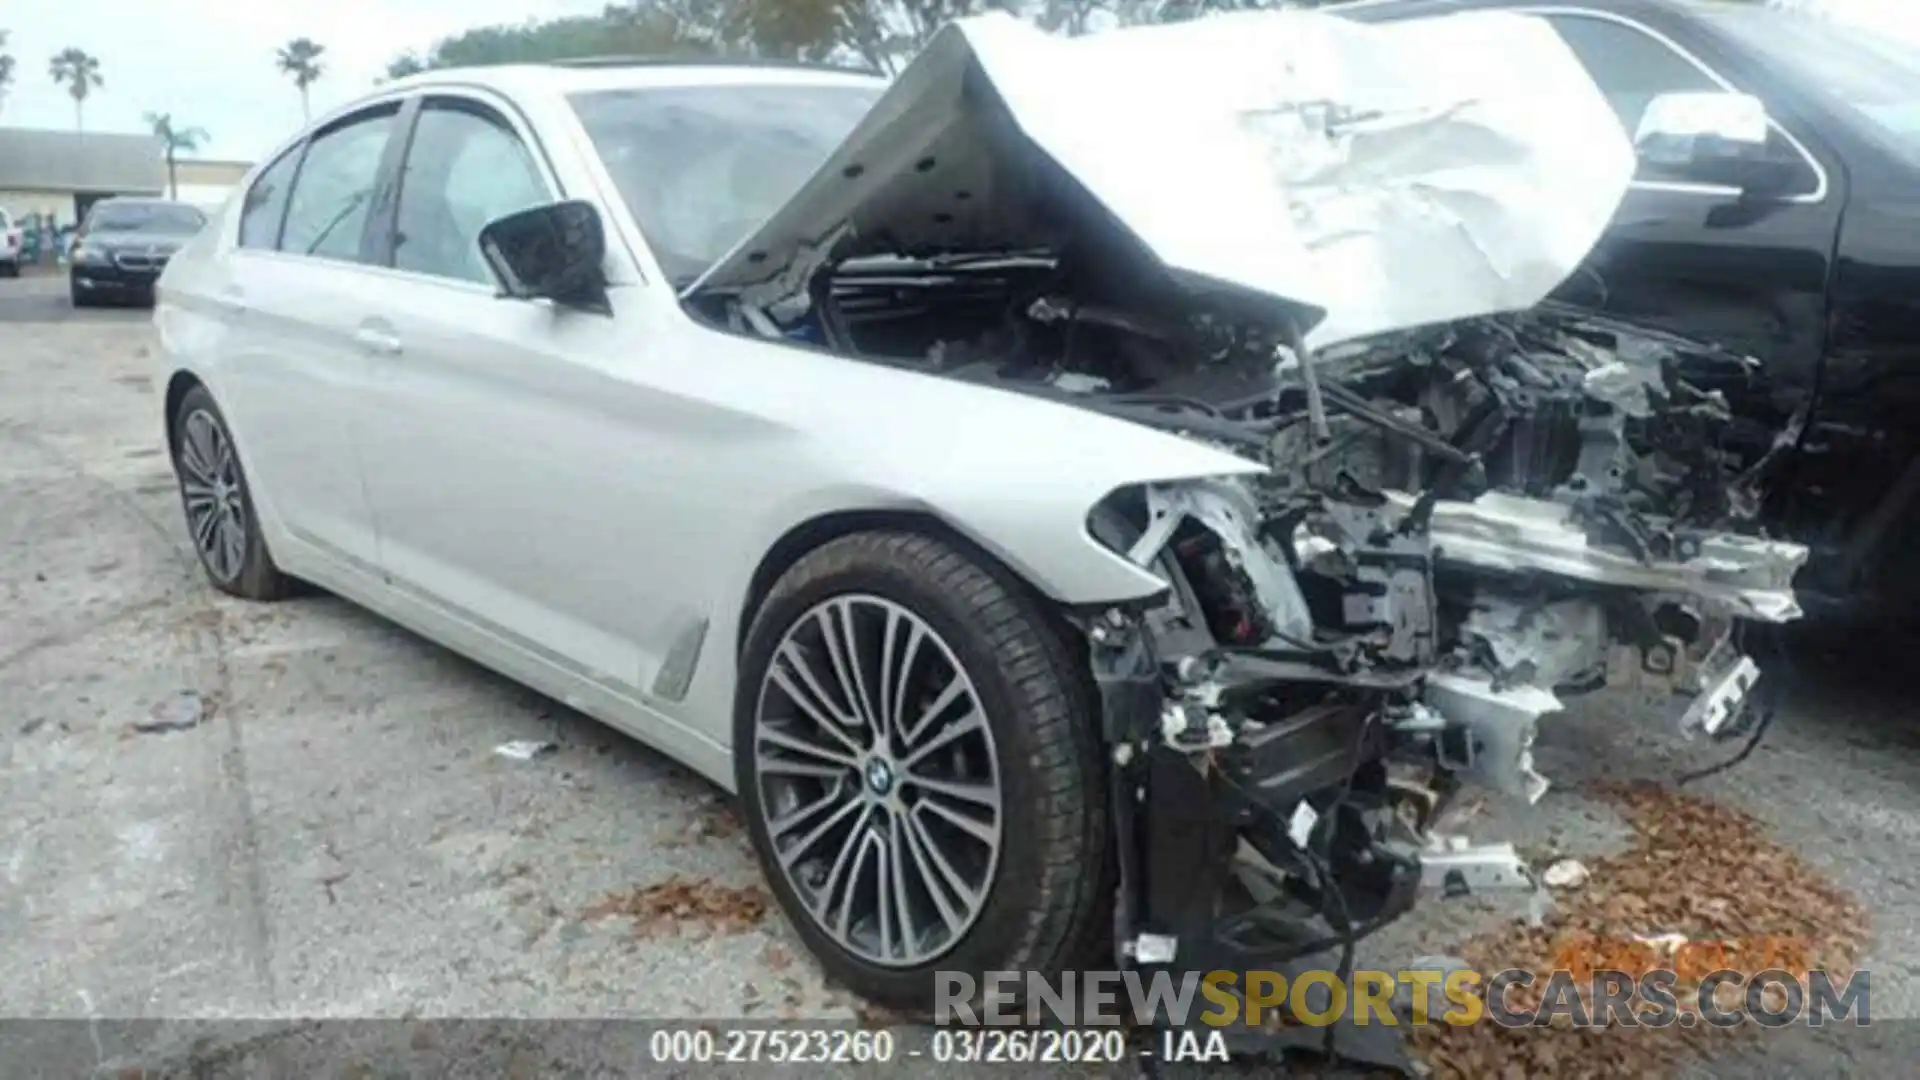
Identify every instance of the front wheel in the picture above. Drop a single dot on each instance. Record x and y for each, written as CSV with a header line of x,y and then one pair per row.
x,y
915,748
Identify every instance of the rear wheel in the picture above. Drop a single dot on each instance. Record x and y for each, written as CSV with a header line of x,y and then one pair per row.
x,y
11,269
79,296
914,745
219,508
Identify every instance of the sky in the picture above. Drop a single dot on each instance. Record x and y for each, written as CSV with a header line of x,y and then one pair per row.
x,y
211,62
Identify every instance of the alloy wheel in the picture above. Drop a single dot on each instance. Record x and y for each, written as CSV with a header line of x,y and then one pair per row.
x,y
210,486
878,780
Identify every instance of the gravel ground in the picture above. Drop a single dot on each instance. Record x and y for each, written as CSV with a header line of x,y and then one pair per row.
x,y
337,838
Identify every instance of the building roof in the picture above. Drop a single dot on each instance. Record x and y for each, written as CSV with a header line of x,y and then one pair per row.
x,y
34,159
203,171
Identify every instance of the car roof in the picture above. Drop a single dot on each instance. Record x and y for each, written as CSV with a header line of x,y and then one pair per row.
x,y
626,73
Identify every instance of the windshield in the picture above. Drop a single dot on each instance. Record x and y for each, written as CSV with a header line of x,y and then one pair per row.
x,y
147,217
701,167
1872,73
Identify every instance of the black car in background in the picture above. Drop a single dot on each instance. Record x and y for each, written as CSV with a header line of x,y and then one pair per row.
x,y
1805,256
124,243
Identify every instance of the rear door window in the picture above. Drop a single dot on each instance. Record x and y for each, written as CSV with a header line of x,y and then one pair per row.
x,y
266,203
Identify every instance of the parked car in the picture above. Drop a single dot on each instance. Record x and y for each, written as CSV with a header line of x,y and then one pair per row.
x,y
122,246
12,244
1805,256
981,494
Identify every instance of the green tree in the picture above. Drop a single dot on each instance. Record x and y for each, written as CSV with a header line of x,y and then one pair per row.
x,y
815,30
1135,12
178,140
637,30
1070,17
6,69
79,72
870,33
877,34
404,65
300,59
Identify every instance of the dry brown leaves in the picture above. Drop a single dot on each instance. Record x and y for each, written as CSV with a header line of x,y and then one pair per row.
x,y
1696,869
678,906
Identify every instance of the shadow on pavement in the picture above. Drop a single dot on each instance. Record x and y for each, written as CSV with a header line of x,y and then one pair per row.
x,y
39,295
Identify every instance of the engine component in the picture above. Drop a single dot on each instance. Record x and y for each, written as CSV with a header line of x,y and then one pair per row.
x,y
1502,724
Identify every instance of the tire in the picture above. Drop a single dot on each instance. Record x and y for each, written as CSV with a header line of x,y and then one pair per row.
x,y
78,295
1045,894
242,568
11,269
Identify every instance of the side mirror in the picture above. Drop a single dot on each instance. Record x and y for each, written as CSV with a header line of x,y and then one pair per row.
x,y
1713,137
552,252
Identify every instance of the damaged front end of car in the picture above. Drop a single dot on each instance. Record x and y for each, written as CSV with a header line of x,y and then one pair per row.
x,y
1476,522
1482,525
1313,248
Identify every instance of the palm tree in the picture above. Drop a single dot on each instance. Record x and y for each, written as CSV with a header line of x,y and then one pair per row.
x,y
6,68
178,140
300,58
79,72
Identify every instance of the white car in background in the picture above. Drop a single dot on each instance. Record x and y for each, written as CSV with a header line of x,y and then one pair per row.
x,y
12,246
947,465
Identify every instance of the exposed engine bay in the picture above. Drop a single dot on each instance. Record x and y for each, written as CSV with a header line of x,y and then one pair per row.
x,y
1465,518
1509,508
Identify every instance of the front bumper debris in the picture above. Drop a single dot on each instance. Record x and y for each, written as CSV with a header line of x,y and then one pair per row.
x,y
1458,867
1248,845
1507,534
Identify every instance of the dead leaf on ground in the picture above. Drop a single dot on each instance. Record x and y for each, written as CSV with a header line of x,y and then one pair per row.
x,y
1695,869
679,905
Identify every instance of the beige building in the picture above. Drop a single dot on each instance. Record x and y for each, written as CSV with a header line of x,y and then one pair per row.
x,y
65,172
206,184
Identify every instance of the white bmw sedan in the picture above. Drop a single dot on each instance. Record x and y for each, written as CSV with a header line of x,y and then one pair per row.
x,y
709,542
952,469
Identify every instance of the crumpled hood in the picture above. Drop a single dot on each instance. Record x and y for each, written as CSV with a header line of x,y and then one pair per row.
x,y
1376,177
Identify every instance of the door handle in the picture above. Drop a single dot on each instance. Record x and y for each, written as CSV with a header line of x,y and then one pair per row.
x,y
378,341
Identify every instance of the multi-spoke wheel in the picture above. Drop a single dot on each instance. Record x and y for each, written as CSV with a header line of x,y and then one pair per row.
x,y
877,770
914,746
219,509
